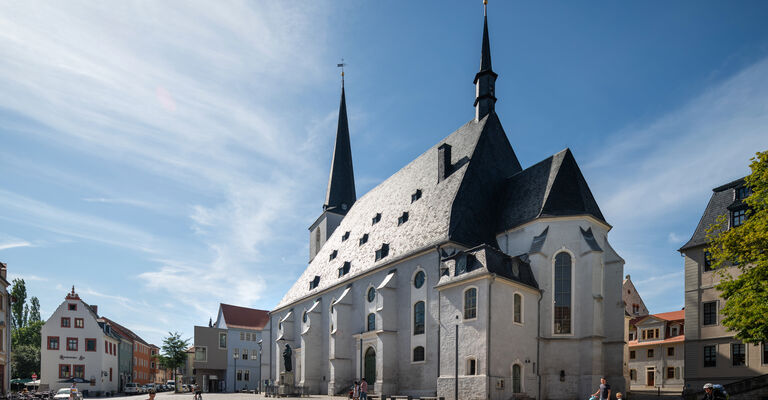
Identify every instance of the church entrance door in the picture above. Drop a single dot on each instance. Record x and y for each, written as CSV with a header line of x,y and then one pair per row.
x,y
370,366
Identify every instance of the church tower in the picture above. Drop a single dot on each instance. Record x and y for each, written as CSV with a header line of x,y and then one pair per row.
x,y
340,195
485,79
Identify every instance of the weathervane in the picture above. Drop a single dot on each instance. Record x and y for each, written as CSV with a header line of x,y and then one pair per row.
x,y
342,65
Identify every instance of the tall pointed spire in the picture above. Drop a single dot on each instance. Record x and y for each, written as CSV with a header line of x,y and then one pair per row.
x,y
485,80
341,183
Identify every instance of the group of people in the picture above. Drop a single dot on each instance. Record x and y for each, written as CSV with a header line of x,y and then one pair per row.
x,y
360,390
604,391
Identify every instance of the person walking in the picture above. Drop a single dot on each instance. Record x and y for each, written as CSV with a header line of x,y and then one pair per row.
x,y
604,391
356,391
363,390
73,391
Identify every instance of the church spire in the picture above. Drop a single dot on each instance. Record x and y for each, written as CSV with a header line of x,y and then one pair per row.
x,y
341,183
485,80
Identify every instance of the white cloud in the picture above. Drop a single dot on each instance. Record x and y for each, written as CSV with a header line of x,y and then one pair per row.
x,y
659,169
12,245
675,238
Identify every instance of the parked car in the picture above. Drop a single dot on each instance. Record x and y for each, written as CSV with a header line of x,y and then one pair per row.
x,y
132,388
63,393
148,387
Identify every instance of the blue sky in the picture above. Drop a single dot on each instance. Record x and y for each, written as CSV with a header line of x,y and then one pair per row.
x,y
167,156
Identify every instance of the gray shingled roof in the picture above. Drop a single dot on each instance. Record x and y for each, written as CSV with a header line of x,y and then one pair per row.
x,y
460,208
552,187
722,197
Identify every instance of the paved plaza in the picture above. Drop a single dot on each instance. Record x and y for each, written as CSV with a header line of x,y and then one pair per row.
x,y
212,396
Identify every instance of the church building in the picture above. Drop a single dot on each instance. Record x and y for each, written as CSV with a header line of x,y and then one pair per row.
x,y
463,275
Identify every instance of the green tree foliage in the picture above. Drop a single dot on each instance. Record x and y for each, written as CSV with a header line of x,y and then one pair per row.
x,y
18,309
28,335
34,310
174,352
25,361
744,249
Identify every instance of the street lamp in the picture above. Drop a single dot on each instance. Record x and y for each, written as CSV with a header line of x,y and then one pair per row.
x,y
260,374
234,372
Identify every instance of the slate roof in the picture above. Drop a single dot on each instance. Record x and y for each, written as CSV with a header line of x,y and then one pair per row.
x,y
722,197
341,182
552,187
461,208
244,317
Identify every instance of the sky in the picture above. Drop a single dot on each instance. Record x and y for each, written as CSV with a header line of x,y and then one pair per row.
x,y
164,157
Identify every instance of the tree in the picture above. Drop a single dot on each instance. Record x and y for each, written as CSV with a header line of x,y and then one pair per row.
x,y
25,361
744,247
28,335
34,310
174,352
19,296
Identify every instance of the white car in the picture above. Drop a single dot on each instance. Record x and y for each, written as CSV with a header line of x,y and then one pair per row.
x,y
132,388
63,394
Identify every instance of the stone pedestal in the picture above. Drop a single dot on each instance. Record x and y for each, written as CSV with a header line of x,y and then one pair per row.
x,y
286,385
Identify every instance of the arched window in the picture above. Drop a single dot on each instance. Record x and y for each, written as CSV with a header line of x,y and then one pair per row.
x,y
418,318
471,366
517,379
518,308
470,303
371,294
371,322
563,293
418,353
304,316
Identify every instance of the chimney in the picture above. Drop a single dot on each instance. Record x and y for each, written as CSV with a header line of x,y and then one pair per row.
x,y
3,270
95,309
444,167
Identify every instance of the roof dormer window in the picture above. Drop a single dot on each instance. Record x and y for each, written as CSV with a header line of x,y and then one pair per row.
x,y
402,219
345,236
376,219
344,269
382,252
738,217
314,282
415,196
333,255
743,192
364,239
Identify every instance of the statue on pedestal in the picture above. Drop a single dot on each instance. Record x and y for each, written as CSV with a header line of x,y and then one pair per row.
x,y
287,359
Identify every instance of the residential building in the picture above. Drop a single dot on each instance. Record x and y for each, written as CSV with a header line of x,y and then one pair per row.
x,y
244,344
712,353
5,331
188,369
461,255
211,358
154,368
125,358
657,352
633,303
75,345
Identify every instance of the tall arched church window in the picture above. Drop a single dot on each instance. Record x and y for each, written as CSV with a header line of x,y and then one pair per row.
x,y
518,308
371,322
418,318
470,303
517,379
563,293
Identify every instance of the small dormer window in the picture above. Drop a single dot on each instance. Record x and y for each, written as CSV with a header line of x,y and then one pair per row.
x,y
743,192
416,195
376,219
344,269
72,306
403,218
364,239
333,255
345,236
382,252
314,282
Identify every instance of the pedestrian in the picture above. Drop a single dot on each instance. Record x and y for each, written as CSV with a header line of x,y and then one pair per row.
x,y
604,391
73,391
198,392
619,396
711,394
356,391
363,390
151,394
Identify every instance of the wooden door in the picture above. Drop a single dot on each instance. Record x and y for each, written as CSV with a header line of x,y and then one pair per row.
x,y
649,377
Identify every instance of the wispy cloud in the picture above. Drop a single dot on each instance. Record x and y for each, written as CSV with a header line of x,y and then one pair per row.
x,y
674,238
11,245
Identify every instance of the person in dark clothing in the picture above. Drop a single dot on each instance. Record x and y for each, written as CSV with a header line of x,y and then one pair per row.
x,y
711,394
604,391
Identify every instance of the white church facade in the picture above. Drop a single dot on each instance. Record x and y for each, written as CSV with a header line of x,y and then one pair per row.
x,y
461,275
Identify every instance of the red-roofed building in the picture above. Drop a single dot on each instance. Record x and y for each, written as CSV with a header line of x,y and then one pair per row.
x,y
246,356
657,352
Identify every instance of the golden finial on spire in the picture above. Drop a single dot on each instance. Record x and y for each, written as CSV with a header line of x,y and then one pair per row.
x,y
485,7
341,65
